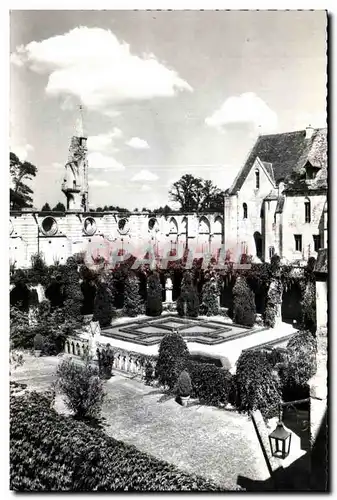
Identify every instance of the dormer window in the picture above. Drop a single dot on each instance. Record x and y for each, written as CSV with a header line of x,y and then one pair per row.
x,y
245,210
257,179
310,172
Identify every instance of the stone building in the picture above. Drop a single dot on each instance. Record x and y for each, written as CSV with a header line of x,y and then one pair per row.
x,y
278,201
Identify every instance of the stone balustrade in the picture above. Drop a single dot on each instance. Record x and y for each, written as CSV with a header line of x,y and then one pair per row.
x,y
76,346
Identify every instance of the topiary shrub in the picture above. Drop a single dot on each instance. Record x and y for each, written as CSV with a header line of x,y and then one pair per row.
x,y
105,361
154,304
243,303
184,385
82,387
258,383
188,302
172,358
133,303
308,304
149,376
52,453
210,298
73,294
299,366
103,305
210,384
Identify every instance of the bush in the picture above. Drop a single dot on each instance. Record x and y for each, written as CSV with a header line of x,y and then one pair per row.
x,y
210,384
258,384
243,303
38,342
210,298
82,387
21,335
105,362
103,305
133,304
300,364
154,305
148,373
172,358
188,302
50,452
309,307
184,384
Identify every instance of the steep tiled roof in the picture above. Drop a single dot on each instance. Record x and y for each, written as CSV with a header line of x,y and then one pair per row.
x,y
287,153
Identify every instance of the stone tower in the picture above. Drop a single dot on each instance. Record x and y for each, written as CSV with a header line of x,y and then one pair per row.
x,y
75,182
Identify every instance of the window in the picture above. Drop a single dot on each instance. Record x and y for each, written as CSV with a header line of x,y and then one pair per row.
x,y
271,252
317,242
257,179
245,210
307,211
298,242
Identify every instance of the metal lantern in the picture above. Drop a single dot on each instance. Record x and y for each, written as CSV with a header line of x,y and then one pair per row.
x,y
280,440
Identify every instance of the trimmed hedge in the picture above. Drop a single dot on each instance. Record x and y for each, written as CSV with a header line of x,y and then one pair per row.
x,y
258,383
50,452
172,358
210,384
243,303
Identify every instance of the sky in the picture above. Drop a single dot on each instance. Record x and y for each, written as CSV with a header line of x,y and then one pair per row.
x,y
164,93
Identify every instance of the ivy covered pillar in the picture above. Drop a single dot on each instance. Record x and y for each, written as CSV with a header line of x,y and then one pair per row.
x,y
318,383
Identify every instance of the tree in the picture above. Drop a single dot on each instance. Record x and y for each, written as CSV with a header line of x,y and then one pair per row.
x,y
82,387
59,207
154,304
196,194
103,305
133,304
243,303
46,208
172,359
20,172
188,302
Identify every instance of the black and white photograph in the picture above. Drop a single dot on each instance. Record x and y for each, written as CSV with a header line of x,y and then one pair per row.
x,y
168,251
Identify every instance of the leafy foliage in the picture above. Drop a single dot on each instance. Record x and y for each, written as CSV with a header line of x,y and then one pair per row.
x,y
133,304
210,384
154,305
46,208
258,384
243,303
49,452
82,387
20,172
196,194
301,360
21,335
59,207
105,362
38,342
188,302
184,384
172,358
274,300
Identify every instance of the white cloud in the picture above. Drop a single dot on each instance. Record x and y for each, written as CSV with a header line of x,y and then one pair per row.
x,y
92,65
247,108
102,142
22,151
145,187
144,176
98,183
100,161
137,143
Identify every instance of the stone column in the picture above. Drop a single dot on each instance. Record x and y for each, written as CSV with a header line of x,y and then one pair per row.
x,y
168,290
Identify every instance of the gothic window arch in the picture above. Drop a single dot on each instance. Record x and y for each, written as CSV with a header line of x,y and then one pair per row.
x,y
307,210
257,178
245,210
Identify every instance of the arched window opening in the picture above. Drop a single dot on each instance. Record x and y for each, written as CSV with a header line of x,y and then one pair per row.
x,y
257,179
245,211
307,211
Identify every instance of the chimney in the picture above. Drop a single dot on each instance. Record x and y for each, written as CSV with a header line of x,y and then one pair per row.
x,y
309,132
